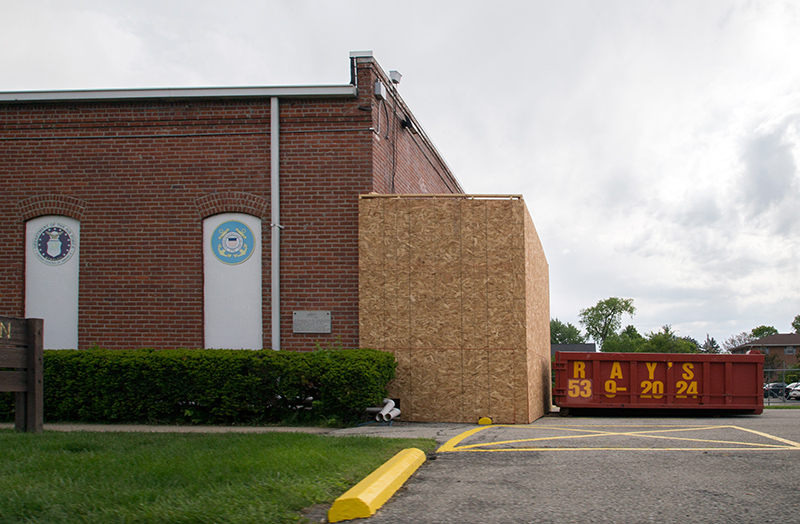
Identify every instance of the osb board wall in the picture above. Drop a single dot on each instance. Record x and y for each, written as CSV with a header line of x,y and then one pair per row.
x,y
457,288
538,326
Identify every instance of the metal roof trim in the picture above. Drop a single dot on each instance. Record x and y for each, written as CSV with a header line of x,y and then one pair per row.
x,y
338,91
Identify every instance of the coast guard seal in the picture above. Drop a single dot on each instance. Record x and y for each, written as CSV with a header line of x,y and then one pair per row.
x,y
54,244
232,242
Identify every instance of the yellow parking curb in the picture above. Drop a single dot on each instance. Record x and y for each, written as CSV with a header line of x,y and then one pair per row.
x,y
364,499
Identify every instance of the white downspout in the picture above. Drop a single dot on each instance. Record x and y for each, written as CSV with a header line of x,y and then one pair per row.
x,y
275,226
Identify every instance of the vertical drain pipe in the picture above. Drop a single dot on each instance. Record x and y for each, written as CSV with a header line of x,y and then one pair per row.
x,y
275,226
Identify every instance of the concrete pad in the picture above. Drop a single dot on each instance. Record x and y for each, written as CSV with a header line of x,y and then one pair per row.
x,y
440,432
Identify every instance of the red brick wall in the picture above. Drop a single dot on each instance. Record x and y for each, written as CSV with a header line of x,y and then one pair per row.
x,y
325,165
138,168
404,159
141,176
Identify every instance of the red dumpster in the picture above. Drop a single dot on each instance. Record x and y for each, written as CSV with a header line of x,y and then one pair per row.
x,y
659,381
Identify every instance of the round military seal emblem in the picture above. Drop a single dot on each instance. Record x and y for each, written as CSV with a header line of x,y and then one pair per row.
x,y
232,242
54,243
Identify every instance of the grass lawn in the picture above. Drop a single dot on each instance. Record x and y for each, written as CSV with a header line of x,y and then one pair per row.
x,y
180,478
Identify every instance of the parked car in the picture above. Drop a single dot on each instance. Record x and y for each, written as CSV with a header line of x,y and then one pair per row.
x,y
791,386
794,393
775,390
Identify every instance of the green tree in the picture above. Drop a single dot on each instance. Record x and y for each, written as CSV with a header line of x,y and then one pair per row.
x,y
796,324
631,332
763,331
693,341
710,346
561,333
667,341
605,318
772,367
627,341
794,374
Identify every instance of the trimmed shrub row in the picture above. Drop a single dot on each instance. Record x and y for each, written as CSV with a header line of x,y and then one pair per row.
x,y
203,386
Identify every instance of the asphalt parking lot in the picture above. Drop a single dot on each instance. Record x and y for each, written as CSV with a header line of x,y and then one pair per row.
x,y
738,469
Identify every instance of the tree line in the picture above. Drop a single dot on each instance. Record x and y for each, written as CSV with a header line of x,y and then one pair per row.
x,y
603,324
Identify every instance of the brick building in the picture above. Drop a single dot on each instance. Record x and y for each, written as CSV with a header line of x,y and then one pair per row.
x,y
781,349
216,217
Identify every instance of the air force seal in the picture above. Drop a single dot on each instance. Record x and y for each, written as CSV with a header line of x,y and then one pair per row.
x,y
54,244
232,242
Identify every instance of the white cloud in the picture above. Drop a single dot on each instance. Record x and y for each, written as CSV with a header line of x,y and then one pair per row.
x,y
657,144
48,46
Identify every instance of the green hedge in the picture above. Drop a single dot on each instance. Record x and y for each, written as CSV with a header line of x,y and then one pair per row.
x,y
206,386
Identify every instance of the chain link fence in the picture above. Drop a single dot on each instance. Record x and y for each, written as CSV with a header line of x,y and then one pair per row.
x,y
775,382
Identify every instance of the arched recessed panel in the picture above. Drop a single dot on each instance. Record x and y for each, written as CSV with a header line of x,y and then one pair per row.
x,y
232,281
51,278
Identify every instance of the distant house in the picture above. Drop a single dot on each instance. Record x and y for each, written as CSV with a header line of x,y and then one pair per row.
x,y
783,346
580,348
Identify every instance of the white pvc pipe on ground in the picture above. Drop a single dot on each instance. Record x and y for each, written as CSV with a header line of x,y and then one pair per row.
x,y
388,405
391,415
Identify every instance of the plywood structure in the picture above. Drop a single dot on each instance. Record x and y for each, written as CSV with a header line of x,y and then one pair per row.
x,y
456,286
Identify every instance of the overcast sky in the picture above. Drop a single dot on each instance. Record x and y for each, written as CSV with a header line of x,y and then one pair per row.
x,y
656,143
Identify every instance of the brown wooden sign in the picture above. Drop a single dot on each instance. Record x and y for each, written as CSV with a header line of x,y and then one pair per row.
x,y
21,359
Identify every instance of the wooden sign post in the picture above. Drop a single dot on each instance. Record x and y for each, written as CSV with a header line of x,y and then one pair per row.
x,y
21,358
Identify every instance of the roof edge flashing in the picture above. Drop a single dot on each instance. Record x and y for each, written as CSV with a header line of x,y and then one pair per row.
x,y
341,91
